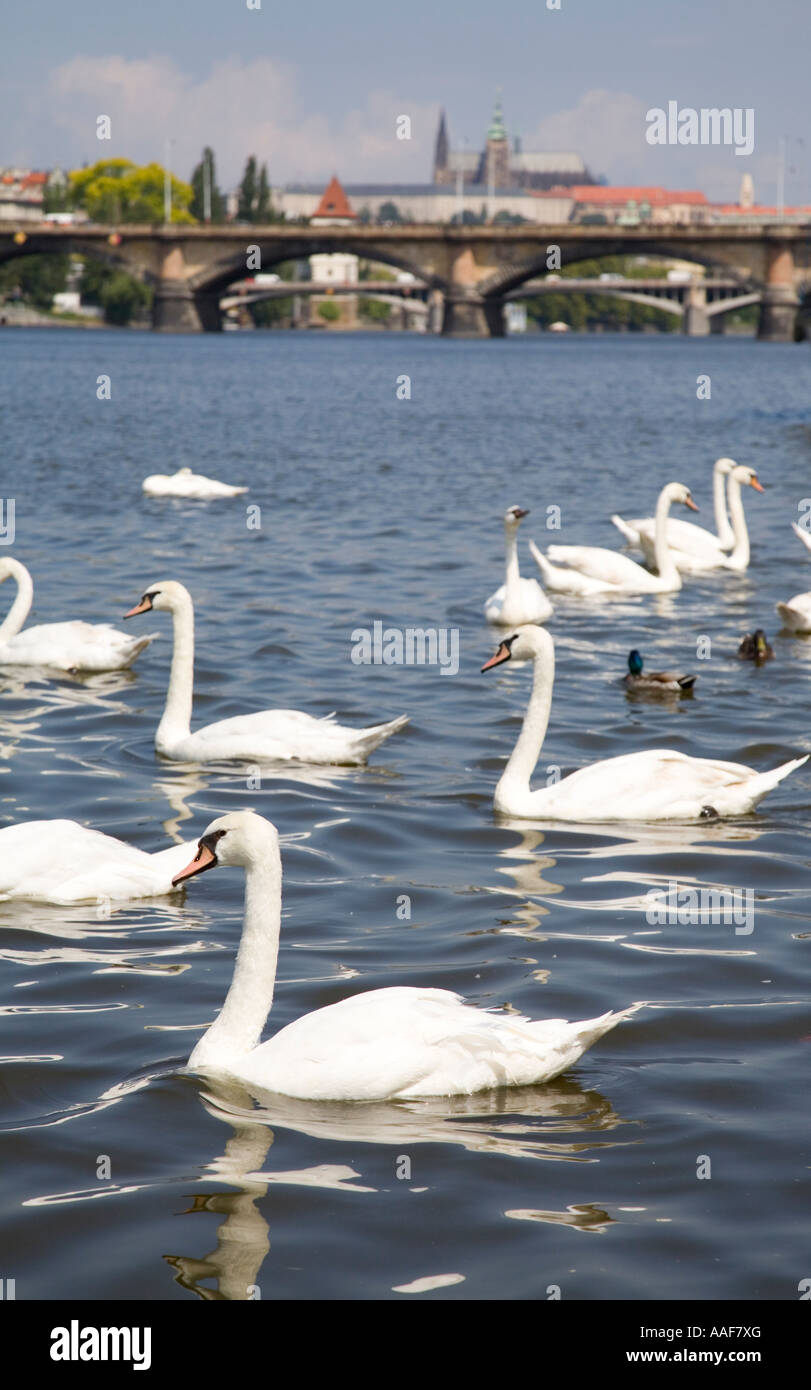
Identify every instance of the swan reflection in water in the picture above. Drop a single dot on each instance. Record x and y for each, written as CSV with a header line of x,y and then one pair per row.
x,y
516,1122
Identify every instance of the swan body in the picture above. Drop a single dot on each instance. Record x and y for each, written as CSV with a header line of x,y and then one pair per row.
x,y
71,646
699,561
796,614
59,861
805,536
269,735
655,682
612,572
658,784
184,483
518,600
386,1044
685,536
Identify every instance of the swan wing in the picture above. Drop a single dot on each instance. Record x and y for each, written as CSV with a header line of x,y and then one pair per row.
x,y
60,861
285,734
601,564
74,646
401,1042
529,605
796,614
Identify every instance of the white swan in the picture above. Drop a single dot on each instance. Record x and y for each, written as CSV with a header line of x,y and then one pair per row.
x,y
386,1044
518,600
59,861
72,646
184,483
695,562
805,536
685,536
658,784
592,570
796,614
269,735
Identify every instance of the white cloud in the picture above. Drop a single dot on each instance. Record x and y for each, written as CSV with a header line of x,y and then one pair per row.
x,y
239,109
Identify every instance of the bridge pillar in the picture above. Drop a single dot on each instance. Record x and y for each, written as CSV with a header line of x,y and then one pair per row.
x,y
464,315
696,322
174,309
717,323
779,302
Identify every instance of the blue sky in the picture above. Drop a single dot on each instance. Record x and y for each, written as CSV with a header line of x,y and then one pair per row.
x,y
315,88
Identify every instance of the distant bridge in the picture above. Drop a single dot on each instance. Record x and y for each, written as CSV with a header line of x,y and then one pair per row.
x,y
469,272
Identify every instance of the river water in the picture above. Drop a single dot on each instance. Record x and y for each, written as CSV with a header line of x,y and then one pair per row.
x,y
679,1142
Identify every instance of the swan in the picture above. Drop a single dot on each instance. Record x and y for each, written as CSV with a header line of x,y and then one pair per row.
x,y
796,614
518,600
72,646
607,572
269,735
656,682
685,535
741,475
386,1044
184,483
658,784
60,861
804,535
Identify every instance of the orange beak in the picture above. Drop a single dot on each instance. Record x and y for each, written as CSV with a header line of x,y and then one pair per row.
x,y
503,654
145,606
756,485
203,859
691,504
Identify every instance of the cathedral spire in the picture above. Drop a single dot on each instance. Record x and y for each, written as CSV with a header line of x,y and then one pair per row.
x,y
498,130
441,148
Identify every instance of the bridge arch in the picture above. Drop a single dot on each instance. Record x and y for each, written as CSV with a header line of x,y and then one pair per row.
x,y
214,278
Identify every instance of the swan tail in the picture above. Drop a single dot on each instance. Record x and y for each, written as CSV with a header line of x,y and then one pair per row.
x,y
370,739
141,643
589,1030
629,532
793,618
764,782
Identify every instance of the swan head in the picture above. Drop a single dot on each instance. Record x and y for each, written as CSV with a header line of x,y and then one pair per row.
x,y
238,839
746,476
514,516
678,492
725,465
635,663
166,596
526,644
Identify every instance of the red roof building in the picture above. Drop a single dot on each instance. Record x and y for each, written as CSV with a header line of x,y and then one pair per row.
x,y
334,206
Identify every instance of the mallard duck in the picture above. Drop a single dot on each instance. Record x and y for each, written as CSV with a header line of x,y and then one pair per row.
x,y
659,682
755,647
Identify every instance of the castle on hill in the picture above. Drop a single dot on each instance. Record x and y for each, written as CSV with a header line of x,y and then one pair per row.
x,y
501,165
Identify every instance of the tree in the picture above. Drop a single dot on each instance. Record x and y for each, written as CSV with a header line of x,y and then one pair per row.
x,y
198,184
389,212
121,297
116,190
264,211
34,279
329,311
247,192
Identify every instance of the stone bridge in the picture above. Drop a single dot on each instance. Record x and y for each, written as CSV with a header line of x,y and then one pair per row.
x,y
469,270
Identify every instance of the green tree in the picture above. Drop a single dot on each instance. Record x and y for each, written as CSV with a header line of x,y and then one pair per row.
x,y
34,279
389,212
247,192
116,190
330,311
373,309
121,297
264,211
198,181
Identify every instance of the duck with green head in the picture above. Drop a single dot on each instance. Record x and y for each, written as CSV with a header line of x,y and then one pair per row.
x,y
655,682
755,647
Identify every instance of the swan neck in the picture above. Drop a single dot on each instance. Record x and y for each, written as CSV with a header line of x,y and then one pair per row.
x,y
176,721
664,560
740,555
723,529
238,1026
21,606
512,574
526,752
